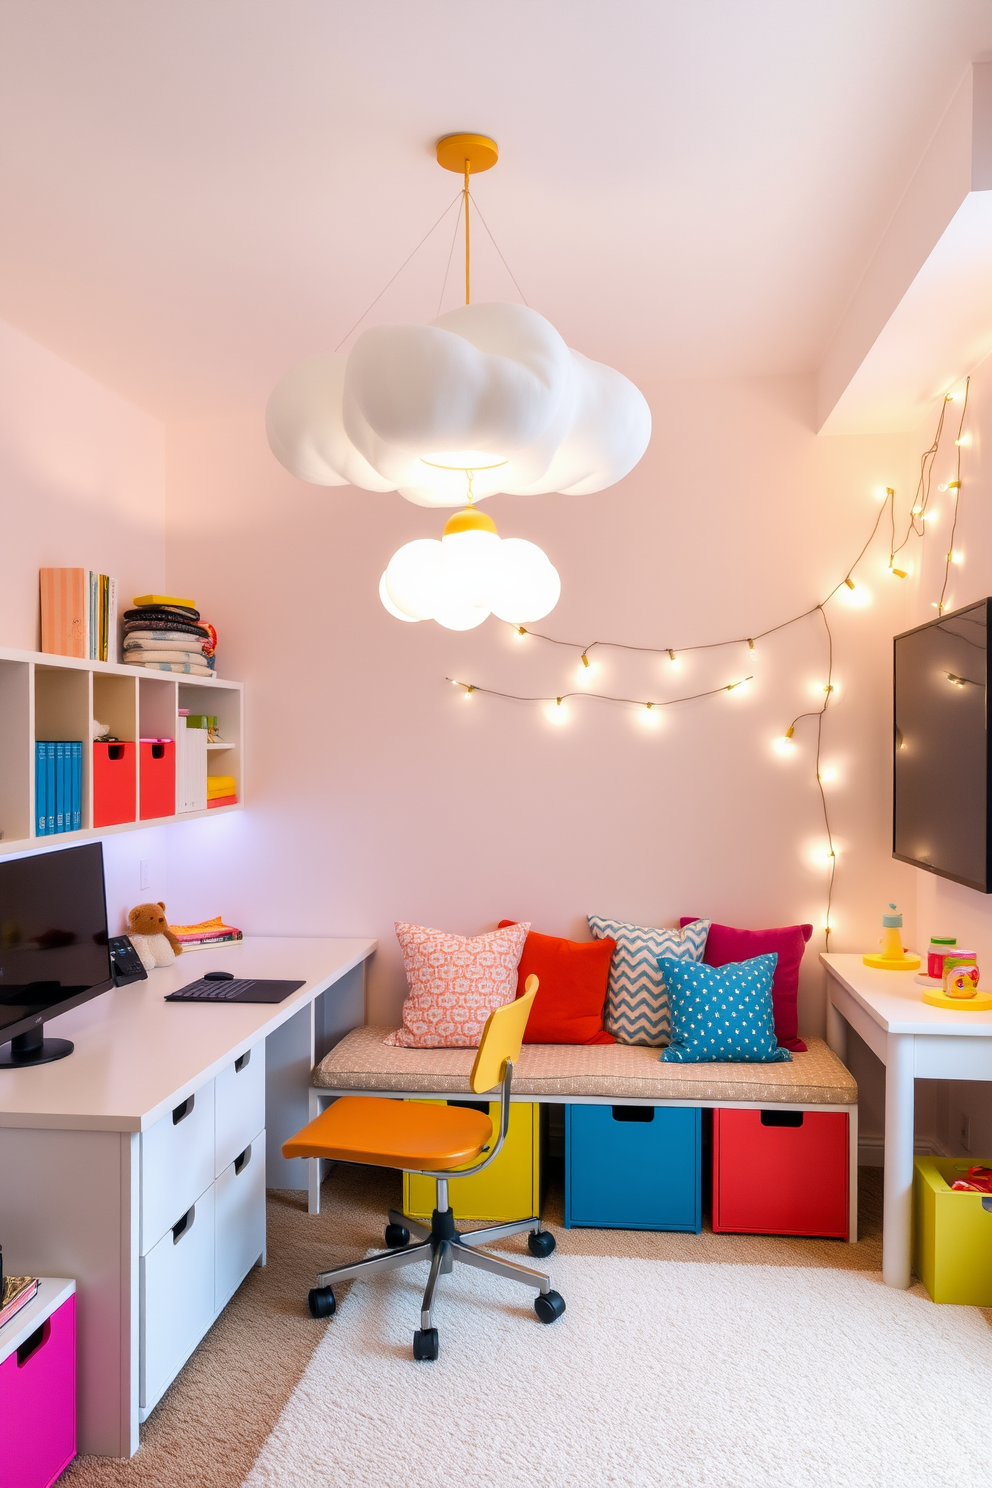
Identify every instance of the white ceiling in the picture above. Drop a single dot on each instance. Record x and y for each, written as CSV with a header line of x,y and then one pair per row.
x,y
196,193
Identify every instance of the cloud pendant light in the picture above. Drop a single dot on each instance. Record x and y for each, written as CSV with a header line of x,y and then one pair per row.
x,y
490,388
470,574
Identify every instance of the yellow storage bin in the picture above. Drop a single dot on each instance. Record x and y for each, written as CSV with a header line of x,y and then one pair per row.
x,y
509,1189
952,1233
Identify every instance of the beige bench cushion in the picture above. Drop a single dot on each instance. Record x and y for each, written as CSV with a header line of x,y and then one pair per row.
x,y
361,1061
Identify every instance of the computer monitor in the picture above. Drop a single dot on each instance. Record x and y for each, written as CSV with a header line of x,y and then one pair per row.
x,y
54,951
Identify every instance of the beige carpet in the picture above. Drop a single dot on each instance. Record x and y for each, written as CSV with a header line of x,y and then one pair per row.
x,y
661,1374
213,1421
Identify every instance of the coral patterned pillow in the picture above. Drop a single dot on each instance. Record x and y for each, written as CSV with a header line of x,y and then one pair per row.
x,y
455,983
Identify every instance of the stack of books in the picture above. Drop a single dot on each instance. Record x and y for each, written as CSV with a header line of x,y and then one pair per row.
x,y
58,786
78,614
15,1292
191,770
222,790
208,933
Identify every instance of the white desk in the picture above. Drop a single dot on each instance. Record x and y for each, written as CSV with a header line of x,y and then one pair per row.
x,y
913,1041
80,1173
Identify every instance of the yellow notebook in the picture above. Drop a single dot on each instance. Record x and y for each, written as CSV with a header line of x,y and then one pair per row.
x,y
163,599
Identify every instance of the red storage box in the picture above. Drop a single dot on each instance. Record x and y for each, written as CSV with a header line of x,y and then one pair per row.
x,y
38,1403
157,761
780,1172
114,784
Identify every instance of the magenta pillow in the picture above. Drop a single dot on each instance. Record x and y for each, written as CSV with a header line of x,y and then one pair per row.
x,y
725,944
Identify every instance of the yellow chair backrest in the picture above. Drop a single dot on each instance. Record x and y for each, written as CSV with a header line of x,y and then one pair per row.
x,y
501,1039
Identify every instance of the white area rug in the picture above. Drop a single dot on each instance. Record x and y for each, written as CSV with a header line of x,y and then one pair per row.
x,y
660,1374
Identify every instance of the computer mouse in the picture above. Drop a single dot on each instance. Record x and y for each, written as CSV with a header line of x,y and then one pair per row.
x,y
218,976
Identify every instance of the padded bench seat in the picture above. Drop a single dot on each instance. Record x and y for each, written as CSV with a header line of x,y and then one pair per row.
x,y
608,1072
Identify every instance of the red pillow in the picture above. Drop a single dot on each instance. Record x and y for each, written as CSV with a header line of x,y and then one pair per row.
x,y
574,976
724,944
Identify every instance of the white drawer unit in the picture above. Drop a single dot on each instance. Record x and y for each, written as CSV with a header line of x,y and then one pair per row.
x,y
177,1297
239,1222
177,1163
239,1106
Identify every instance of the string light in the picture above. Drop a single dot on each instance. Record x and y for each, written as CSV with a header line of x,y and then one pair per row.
x,y
602,697
785,744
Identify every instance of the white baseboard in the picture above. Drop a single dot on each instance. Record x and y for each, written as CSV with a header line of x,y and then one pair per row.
x,y
871,1150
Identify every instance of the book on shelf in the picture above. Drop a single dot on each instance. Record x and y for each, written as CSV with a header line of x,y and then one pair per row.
x,y
207,932
210,944
58,785
17,1292
78,613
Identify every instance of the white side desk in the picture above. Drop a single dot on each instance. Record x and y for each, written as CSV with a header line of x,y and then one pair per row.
x,y
157,1099
913,1041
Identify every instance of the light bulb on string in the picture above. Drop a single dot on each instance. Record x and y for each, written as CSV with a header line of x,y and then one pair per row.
x,y
784,745
675,660
585,672
649,716
557,712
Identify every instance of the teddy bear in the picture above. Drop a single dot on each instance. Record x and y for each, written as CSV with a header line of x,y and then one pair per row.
x,y
151,937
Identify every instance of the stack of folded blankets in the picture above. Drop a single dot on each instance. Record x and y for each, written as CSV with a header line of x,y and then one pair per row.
x,y
166,634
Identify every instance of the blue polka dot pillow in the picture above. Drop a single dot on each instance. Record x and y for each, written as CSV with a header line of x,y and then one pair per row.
x,y
721,1014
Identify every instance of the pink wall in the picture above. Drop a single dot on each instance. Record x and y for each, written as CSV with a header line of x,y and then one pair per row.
x,y
82,484
940,903
377,792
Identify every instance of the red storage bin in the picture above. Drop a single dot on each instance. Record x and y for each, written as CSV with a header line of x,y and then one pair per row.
x,y
114,784
38,1403
157,773
780,1172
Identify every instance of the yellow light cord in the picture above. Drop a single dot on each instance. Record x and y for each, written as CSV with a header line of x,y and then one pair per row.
x,y
468,242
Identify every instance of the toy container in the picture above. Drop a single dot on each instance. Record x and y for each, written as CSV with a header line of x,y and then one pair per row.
x,y
952,1233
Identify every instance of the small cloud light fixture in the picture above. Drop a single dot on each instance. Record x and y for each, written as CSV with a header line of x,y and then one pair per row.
x,y
469,574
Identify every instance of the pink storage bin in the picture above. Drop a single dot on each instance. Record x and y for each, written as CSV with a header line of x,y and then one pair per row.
x,y
38,1403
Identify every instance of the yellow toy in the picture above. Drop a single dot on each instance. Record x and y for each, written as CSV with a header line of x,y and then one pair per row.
x,y
959,991
892,957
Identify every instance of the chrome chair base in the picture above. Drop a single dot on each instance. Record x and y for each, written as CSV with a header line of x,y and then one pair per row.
x,y
443,1245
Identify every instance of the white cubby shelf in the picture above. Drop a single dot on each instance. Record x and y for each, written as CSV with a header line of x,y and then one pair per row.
x,y
58,697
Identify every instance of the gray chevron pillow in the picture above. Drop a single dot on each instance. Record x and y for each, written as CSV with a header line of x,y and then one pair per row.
x,y
636,1009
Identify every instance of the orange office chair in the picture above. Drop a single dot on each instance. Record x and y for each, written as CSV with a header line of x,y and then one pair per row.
x,y
433,1141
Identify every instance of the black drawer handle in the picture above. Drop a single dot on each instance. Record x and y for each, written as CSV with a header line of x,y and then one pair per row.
x,y
184,1226
482,1106
242,1062
782,1118
183,1110
633,1113
115,752
31,1345
158,751
242,1161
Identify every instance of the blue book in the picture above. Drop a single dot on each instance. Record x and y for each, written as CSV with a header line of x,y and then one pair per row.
x,y
40,790
60,784
50,785
77,784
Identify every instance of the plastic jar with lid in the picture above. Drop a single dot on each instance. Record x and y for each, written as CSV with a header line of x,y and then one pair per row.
x,y
940,946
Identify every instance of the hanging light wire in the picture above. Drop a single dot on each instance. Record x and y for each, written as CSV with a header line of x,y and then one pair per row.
x,y
399,271
602,697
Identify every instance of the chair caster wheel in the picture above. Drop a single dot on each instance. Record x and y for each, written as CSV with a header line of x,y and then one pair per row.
x,y
321,1302
397,1235
549,1306
541,1244
425,1345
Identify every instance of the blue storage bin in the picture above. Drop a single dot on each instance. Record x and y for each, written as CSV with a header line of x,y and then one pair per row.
x,y
633,1167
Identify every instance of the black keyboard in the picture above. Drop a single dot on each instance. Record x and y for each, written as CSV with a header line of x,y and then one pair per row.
x,y
240,989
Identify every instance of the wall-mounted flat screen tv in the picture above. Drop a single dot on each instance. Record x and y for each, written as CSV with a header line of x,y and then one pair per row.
x,y
940,815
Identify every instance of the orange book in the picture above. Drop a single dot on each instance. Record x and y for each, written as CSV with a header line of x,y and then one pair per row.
x,y
65,611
